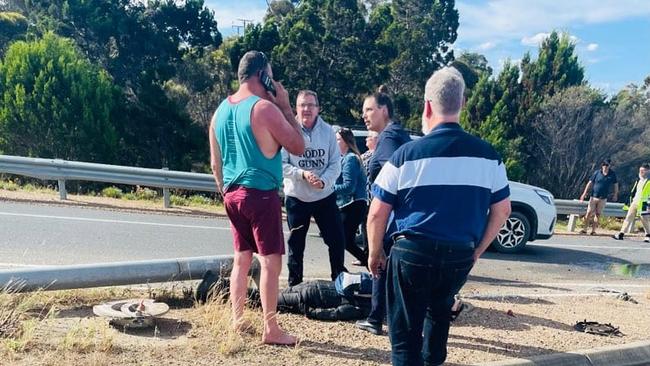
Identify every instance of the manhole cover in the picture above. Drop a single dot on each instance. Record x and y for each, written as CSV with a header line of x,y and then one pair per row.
x,y
133,313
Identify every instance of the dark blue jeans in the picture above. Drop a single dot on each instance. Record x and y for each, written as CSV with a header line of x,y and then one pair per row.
x,y
328,218
378,299
422,278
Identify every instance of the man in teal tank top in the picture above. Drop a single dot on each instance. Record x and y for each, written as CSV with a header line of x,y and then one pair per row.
x,y
246,134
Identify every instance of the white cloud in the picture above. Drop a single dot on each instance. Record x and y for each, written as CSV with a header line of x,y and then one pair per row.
x,y
501,20
592,47
534,40
486,46
538,38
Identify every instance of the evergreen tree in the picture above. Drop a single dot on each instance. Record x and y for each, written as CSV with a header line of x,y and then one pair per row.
x,y
556,68
55,104
422,32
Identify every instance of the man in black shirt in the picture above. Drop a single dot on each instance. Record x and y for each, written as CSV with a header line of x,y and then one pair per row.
x,y
598,189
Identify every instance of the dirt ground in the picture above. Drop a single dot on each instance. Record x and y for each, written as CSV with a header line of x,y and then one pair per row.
x,y
199,335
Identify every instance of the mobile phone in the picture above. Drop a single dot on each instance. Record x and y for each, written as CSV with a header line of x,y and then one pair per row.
x,y
267,82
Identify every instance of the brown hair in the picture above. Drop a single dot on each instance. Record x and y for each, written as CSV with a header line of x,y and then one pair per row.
x,y
348,137
383,99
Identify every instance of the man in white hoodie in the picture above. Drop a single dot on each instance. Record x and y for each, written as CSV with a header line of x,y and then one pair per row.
x,y
308,187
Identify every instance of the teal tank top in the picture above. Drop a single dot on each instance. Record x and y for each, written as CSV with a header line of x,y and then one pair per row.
x,y
243,163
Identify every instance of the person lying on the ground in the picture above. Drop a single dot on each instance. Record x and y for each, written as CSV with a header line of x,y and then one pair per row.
x,y
347,298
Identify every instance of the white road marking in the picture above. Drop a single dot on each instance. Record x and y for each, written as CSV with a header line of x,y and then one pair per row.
x,y
533,295
119,221
569,284
13,265
113,221
611,247
597,284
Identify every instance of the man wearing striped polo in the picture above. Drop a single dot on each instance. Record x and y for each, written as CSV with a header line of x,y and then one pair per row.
x,y
449,195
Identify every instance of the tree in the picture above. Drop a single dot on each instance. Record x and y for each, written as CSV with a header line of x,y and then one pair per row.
x,y
55,103
422,32
479,105
259,37
202,83
472,66
13,25
556,68
321,49
490,113
576,130
141,45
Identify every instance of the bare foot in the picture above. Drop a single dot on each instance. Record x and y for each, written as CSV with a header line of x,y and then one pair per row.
x,y
243,326
279,338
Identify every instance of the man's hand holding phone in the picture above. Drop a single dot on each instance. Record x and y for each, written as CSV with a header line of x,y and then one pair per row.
x,y
281,99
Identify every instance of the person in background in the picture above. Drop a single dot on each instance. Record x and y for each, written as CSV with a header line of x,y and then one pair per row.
x,y
598,188
638,203
371,144
350,189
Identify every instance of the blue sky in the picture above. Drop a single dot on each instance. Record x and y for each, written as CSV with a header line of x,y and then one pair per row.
x,y
612,36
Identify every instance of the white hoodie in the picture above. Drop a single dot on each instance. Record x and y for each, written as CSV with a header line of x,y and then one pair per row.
x,y
321,157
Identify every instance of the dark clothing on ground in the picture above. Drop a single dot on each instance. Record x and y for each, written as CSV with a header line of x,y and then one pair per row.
x,y
328,218
602,184
320,300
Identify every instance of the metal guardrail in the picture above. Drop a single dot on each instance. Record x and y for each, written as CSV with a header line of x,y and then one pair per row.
x,y
575,207
62,170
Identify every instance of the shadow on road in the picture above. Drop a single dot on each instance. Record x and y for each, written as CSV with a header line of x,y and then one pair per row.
x,y
582,258
337,350
512,283
494,346
500,320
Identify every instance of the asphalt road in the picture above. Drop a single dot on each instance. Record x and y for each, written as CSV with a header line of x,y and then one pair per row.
x,y
38,234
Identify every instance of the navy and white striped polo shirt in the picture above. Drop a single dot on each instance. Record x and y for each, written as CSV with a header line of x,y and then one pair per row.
x,y
442,185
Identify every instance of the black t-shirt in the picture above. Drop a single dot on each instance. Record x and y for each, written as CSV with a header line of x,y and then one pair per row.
x,y
602,183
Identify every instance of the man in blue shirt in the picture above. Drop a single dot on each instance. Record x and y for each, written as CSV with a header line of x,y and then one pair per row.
x,y
598,188
378,117
449,195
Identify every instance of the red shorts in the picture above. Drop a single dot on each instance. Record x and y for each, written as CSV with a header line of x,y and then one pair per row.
x,y
255,220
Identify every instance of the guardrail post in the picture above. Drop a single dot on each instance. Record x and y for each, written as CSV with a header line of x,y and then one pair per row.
x,y
63,194
573,220
167,200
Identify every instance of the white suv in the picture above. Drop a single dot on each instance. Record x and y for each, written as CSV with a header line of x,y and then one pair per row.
x,y
532,218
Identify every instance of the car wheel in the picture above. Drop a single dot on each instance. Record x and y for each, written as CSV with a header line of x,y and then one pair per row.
x,y
513,235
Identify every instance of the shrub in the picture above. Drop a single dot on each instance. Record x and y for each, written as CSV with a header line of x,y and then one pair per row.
x,y
112,192
179,200
145,193
8,185
198,199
